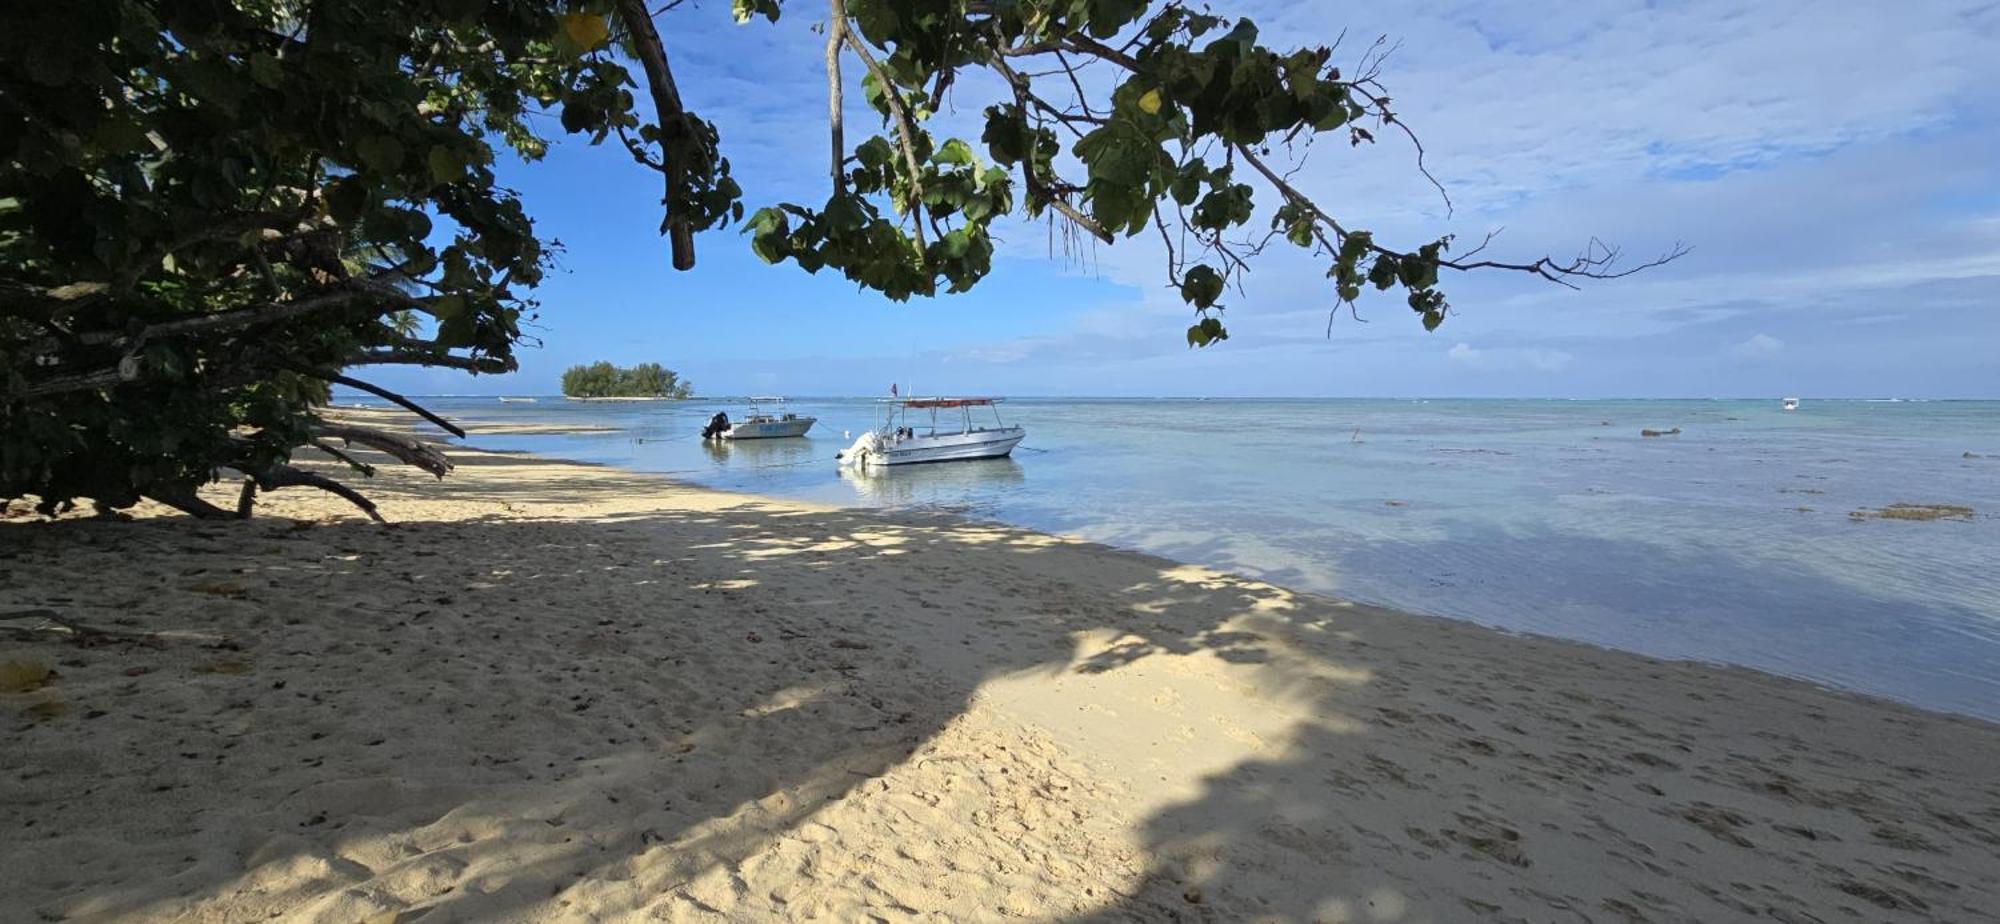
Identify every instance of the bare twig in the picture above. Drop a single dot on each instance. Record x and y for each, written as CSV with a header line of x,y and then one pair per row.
x,y
1036,188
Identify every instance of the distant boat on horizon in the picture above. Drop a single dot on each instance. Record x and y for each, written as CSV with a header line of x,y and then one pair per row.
x,y
517,400
1791,404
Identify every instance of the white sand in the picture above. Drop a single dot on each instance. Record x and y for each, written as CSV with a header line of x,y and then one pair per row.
x,y
561,693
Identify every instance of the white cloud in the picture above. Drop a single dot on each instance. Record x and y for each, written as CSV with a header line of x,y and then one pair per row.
x,y
1534,359
1816,200
1759,345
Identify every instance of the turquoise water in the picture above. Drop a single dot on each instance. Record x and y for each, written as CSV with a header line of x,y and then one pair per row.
x,y
1730,542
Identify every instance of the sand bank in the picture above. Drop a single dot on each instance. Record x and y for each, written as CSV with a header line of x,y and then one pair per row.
x,y
561,692
395,419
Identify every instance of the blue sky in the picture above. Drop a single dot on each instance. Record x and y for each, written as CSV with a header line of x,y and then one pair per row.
x,y
1836,167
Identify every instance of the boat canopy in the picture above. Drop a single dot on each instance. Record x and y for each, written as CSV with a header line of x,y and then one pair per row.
x,y
767,398
950,402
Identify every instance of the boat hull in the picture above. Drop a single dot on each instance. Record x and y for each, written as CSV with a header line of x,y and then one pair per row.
x,y
950,447
770,429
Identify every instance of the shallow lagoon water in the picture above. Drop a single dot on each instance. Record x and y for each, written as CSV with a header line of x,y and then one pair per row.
x,y
1731,542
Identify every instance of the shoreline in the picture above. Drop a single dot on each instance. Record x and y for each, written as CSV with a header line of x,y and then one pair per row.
x,y
562,690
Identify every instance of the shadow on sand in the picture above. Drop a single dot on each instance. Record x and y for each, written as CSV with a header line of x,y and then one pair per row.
x,y
757,711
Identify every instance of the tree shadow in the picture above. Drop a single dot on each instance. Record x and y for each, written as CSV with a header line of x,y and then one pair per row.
x,y
499,718
690,705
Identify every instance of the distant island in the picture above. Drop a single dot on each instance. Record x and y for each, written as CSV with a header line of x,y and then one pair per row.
x,y
604,380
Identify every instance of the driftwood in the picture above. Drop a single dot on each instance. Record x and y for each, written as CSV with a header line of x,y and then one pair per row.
x,y
405,449
366,470
78,632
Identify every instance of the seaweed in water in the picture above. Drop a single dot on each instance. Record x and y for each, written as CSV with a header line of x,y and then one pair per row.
x,y
1913,512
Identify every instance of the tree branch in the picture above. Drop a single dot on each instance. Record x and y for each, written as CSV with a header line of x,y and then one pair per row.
x,y
183,499
1594,263
404,449
673,117
387,395
285,476
366,470
491,365
836,29
905,129
82,381
1034,184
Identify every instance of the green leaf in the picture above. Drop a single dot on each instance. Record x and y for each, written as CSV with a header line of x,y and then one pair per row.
x,y
875,153
457,331
1201,286
121,136
346,198
744,10
586,30
265,69
954,152
380,153
1383,275
446,308
446,167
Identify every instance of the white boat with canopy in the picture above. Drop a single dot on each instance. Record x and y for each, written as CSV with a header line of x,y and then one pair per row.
x,y
759,424
904,438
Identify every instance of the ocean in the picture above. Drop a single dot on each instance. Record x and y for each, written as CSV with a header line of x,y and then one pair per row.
x,y
1734,541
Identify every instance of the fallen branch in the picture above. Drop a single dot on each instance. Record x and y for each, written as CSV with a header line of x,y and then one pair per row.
x,y
366,470
405,449
183,499
285,476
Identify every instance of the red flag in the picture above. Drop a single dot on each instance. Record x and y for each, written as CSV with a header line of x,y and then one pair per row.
x,y
892,389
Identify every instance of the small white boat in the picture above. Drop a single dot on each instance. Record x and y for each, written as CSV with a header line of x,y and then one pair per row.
x,y
759,425
899,441
517,400
1791,404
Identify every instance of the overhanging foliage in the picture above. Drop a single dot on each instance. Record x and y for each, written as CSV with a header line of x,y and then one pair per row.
x,y
210,208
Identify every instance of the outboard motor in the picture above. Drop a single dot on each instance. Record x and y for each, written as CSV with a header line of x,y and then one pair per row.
x,y
868,445
717,425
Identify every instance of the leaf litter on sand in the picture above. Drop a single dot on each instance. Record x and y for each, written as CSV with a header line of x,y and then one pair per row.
x,y
23,676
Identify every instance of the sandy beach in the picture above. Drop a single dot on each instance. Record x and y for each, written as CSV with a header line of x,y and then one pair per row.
x,y
557,692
